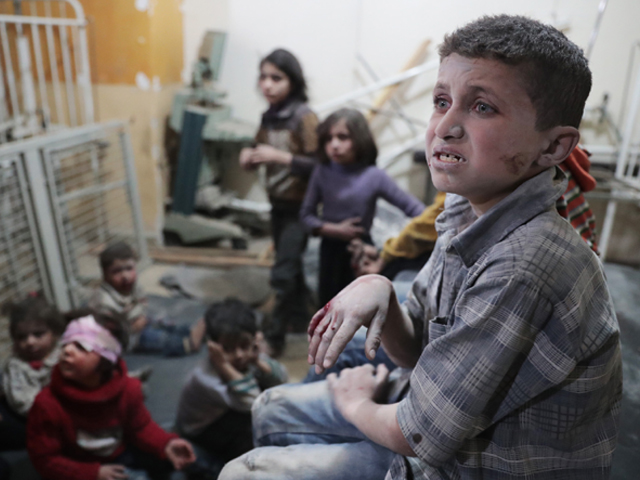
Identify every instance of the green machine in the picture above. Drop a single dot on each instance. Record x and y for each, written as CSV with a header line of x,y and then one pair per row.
x,y
210,138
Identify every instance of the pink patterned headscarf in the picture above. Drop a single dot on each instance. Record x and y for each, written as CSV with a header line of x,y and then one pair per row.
x,y
93,338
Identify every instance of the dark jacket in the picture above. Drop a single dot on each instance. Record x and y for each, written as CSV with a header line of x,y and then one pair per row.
x,y
290,127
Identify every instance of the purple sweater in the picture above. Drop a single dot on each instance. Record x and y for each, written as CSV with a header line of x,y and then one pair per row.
x,y
347,191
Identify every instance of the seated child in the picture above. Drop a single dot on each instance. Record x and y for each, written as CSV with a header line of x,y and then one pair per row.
x,y
91,422
509,330
119,294
35,327
215,406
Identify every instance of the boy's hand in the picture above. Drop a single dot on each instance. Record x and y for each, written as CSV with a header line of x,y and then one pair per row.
x,y
260,347
111,472
216,353
364,302
357,385
180,453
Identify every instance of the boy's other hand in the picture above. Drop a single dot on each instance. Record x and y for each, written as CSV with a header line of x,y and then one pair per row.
x,y
216,353
258,348
357,385
364,302
180,453
112,472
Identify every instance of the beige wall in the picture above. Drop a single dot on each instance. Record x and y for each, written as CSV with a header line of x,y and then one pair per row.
x,y
136,50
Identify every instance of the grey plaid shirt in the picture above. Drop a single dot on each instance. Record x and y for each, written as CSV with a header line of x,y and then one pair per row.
x,y
520,374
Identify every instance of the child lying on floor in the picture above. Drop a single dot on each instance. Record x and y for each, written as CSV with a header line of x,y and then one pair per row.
x,y
215,406
91,422
119,294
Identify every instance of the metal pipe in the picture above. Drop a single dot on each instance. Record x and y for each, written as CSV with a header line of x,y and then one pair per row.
x,y
42,84
11,79
398,78
394,103
66,65
50,21
596,28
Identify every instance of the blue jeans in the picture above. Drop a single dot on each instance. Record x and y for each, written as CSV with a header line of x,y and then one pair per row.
x,y
300,434
169,340
352,356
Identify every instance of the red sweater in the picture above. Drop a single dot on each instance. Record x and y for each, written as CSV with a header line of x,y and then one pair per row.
x,y
64,409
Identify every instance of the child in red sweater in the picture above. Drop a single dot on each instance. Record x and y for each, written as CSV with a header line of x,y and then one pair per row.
x,y
90,422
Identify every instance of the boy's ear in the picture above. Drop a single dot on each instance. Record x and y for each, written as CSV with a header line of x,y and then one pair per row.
x,y
562,141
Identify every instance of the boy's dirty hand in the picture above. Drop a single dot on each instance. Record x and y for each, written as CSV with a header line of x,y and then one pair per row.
x,y
260,345
216,353
364,302
111,472
357,385
180,453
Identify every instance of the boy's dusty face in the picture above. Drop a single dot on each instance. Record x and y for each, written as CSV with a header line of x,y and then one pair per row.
x,y
122,275
481,140
33,341
242,352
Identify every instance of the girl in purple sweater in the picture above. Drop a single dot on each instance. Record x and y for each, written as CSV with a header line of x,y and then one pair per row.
x,y
347,184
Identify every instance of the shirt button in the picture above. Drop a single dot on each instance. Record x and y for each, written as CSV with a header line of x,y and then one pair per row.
x,y
417,438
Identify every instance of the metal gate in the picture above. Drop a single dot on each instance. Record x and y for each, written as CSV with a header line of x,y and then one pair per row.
x,y
45,80
21,262
82,195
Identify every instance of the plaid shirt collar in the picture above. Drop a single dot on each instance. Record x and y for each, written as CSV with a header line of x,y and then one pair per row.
x,y
478,234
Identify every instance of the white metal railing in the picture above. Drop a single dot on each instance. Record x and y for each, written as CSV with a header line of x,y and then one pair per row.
x,y
80,193
45,79
627,174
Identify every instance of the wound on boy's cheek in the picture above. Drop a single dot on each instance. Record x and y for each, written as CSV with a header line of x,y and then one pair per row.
x,y
515,164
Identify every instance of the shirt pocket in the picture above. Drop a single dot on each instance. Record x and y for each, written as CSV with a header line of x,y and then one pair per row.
x,y
438,326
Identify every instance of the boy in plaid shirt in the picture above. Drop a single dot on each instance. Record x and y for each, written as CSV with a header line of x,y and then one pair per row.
x,y
509,331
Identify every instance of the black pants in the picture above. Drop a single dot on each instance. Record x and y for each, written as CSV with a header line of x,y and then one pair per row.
x,y
228,437
13,429
287,275
335,270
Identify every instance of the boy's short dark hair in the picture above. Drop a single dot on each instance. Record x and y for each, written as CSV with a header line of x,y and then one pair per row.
x,y
555,70
116,251
364,145
229,319
34,308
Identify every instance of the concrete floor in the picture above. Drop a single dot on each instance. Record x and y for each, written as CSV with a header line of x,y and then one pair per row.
x,y
164,384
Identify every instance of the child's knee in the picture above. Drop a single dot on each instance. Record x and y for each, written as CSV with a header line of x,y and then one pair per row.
x,y
241,468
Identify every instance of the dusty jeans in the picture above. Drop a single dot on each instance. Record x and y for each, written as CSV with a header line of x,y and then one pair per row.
x,y
300,434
